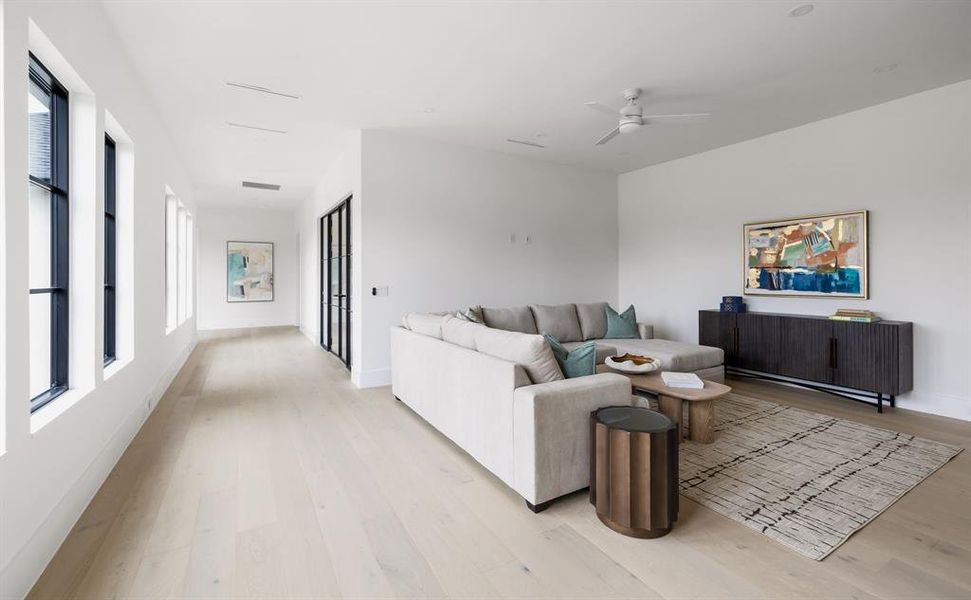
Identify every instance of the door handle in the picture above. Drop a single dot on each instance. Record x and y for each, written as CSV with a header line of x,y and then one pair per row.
x,y
832,353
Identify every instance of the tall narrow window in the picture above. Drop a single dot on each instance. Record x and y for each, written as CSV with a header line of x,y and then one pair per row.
x,y
183,271
189,265
171,262
110,245
47,114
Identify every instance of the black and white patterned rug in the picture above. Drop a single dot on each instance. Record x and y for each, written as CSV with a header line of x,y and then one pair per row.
x,y
806,480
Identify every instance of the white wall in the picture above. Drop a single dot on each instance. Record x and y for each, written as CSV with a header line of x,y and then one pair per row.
x,y
436,226
217,225
53,462
907,161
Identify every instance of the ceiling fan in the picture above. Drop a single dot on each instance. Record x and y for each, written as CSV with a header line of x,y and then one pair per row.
x,y
632,116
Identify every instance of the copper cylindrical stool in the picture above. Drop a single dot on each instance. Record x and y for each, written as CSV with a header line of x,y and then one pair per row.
x,y
634,470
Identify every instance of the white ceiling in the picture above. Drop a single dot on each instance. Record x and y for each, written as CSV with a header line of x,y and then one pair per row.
x,y
497,70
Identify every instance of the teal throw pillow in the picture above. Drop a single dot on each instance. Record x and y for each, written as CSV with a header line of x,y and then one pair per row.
x,y
623,325
578,362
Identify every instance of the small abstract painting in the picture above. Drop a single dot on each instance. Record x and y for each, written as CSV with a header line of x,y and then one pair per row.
x,y
822,256
249,271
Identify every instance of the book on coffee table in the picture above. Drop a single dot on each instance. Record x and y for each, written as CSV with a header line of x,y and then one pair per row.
x,y
682,380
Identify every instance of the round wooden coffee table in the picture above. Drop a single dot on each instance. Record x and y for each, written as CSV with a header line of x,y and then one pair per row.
x,y
701,403
634,470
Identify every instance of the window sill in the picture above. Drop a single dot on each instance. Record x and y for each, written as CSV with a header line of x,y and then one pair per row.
x,y
114,366
46,398
55,408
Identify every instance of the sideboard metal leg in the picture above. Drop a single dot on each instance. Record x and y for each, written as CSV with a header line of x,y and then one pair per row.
x,y
893,400
879,403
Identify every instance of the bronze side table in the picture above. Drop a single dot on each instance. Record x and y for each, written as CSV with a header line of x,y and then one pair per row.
x,y
634,470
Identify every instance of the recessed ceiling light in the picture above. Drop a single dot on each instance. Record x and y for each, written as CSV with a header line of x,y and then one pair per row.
x,y
429,110
525,143
885,68
261,186
261,89
802,10
242,126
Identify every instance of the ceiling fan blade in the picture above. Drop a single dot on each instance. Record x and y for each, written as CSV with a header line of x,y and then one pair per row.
x,y
613,112
683,118
608,136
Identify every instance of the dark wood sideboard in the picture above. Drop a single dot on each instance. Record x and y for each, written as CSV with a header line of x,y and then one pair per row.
x,y
876,360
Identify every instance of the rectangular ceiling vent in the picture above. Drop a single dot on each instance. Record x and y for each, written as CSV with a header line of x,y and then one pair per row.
x,y
525,143
244,126
261,186
261,89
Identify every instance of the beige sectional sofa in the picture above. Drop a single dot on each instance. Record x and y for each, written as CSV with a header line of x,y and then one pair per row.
x,y
496,390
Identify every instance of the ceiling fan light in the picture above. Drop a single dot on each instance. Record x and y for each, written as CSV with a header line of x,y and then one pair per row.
x,y
627,126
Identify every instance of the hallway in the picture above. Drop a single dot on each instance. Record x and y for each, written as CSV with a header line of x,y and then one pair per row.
x,y
264,474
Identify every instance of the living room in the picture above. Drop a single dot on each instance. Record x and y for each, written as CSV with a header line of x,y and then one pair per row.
x,y
310,361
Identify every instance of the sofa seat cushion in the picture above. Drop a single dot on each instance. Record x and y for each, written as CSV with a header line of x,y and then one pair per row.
x,y
674,356
604,349
517,318
559,321
593,320
530,351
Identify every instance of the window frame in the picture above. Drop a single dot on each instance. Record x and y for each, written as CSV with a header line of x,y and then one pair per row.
x,y
171,263
57,186
110,252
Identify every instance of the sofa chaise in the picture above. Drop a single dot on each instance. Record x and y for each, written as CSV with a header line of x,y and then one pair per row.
x,y
496,390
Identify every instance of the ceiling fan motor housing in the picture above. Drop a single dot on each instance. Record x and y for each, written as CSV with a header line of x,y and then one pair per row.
x,y
629,124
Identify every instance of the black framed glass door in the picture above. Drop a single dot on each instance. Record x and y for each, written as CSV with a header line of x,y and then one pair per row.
x,y
335,281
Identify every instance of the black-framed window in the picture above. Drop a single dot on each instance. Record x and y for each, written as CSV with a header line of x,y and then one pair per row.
x,y
110,245
47,116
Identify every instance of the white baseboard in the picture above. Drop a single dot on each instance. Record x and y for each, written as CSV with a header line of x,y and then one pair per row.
x,y
372,378
937,403
250,326
26,567
930,402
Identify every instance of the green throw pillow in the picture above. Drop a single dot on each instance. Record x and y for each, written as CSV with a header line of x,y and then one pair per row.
x,y
623,325
578,362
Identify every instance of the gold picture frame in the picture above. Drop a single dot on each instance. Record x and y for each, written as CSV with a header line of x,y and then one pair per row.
x,y
820,256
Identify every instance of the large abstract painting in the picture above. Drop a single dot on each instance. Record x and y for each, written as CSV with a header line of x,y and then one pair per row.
x,y
249,271
822,256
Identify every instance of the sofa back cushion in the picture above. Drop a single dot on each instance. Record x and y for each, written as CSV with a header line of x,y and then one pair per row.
x,y
559,321
424,323
593,320
459,331
530,351
517,318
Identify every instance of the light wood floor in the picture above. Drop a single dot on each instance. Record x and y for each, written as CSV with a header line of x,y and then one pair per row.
x,y
264,473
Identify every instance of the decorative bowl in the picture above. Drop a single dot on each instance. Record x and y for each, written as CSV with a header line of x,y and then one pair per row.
x,y
632,363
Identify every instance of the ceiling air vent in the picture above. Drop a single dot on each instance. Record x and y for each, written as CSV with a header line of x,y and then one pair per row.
x,y
525,143
261,186
261,89
244,126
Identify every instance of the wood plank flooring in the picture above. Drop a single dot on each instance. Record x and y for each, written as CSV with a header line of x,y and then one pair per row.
x,y
263,473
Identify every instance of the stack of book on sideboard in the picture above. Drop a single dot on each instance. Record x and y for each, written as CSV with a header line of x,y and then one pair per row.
x,y
856,315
